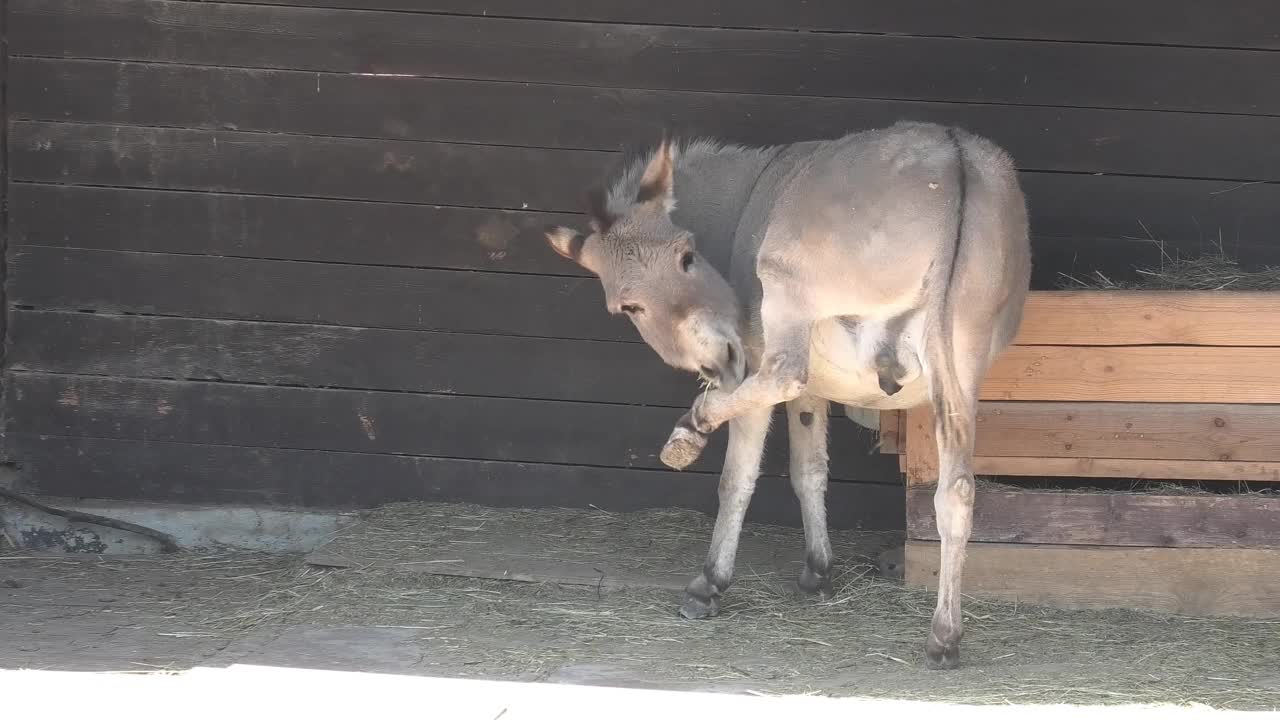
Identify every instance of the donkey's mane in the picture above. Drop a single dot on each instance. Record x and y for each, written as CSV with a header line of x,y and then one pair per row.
x,y
623,184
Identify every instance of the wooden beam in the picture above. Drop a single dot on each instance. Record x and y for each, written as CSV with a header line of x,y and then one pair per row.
x,y
1169,431
921,451
1135,441
1187,581
1136,374
1108,518
1128,468
1112,317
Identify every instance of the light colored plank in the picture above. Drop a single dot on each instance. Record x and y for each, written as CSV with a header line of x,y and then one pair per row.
x,y
1169,431
920,453
1188,581
921,450
1110,518
891,440
1128,469
1112,317
1136,374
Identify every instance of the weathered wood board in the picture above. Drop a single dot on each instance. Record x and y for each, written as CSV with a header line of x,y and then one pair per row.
x,y
1147,317
1185,581
1153,441
1108,518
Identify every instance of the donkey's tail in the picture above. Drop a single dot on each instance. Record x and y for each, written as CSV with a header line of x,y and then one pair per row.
x,y
949,396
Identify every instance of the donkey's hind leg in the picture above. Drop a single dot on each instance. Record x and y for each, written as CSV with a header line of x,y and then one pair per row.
x,y
807,428
957,366
747,434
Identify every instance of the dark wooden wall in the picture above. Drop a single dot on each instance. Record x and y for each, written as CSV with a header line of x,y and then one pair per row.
x,y
287,254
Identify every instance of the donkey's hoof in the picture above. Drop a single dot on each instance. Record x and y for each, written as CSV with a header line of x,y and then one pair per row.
x,y
811,583
693,607
682,448
938,656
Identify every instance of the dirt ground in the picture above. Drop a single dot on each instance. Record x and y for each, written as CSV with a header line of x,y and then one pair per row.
x,y
173,612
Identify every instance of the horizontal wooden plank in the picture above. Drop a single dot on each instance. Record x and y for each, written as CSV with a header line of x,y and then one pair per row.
x,y
1158,431
781,62
1108,518
340,357
563,433
396,234
1240,471
413,108
182,473
1136,374
1185,581
1185,22
253,226
1162,442
1182,213
1108,317
319,293
358,169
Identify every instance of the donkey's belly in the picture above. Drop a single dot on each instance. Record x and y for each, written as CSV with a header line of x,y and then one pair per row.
x,y
842,367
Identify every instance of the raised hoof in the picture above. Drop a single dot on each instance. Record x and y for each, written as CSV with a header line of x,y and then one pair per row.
x,y
941,657
696,608
811,583
683,448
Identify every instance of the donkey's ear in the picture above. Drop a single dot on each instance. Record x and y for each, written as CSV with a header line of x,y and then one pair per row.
x,y
657,183
569,243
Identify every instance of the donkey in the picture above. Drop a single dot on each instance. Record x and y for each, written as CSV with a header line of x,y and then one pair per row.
x,y
881,270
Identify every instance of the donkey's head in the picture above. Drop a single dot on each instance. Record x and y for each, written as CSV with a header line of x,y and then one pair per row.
x,y
652,273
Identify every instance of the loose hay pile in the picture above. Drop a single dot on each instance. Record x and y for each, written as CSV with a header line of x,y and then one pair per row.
x,y
865,641
1206,272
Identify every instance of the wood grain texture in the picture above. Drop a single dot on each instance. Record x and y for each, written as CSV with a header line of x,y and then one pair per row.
x,y
1136,374
485,428
1185,581
298,165
354,358
149,471
1110,518
1127,441
414,235
1108,317
781,62
1129,469
250,226
1168,431
920,452
1184,22
318,293
1062,204
574,117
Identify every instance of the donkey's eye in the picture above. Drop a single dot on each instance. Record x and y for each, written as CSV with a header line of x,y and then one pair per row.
x,y
631,309
686,261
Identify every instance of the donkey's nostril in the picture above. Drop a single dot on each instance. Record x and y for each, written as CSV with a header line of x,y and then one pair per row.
x,y
733,355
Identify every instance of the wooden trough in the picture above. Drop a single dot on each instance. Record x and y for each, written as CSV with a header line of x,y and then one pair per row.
x,y
1131,386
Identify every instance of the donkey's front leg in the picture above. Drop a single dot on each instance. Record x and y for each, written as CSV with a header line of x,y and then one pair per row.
x,y
784,366
807,427
747,435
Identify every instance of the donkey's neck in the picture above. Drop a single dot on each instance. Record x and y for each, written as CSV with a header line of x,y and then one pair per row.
x,y
713,184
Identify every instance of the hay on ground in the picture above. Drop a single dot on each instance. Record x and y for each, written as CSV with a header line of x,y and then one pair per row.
x,y
864,641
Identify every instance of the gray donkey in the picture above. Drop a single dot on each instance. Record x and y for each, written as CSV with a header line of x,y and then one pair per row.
x,y
882,270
